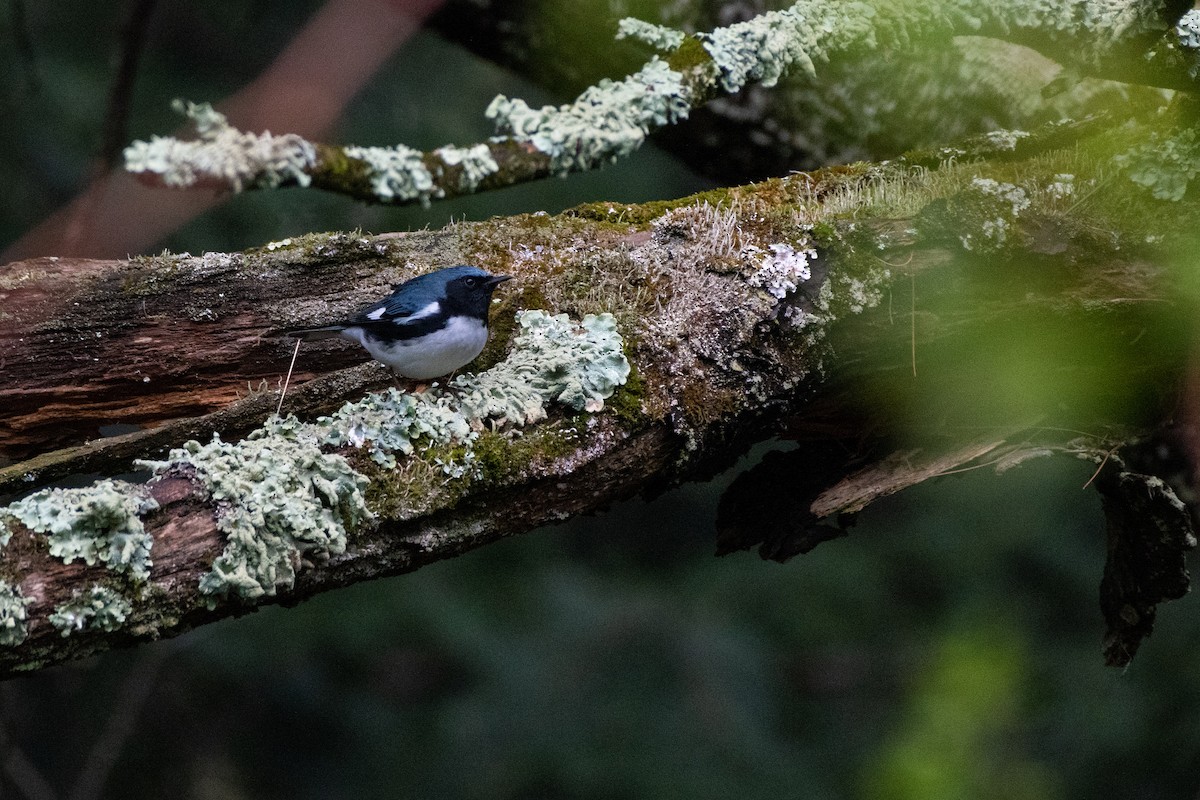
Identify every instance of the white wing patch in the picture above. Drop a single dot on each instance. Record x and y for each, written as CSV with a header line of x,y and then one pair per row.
x,y
427,311
377,313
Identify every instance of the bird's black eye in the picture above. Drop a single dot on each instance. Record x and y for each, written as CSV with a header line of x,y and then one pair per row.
x,y
471,282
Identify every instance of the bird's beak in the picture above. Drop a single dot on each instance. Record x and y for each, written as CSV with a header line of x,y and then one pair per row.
x,y
496,280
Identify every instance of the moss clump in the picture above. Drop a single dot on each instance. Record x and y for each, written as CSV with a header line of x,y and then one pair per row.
x,y
500,456
626,402
689,55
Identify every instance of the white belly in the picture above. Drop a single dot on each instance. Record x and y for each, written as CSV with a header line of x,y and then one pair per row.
x,y
431,356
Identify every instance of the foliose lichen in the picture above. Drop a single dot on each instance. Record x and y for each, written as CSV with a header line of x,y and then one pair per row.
x,y
99,608
607,121
1165,165
13,614
660,37
553,360
477,163
395,422
767,46
280,499
223,153
396,173
97,524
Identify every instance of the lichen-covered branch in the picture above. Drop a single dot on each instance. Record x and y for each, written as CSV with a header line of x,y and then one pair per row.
x,y
874,303
1130,41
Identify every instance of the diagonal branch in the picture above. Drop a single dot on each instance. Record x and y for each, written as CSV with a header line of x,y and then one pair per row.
x,y
1129,41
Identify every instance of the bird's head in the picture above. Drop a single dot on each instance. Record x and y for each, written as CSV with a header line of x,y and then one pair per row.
x,y
466,290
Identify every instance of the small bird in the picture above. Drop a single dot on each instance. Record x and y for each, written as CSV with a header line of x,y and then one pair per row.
x,y
427,327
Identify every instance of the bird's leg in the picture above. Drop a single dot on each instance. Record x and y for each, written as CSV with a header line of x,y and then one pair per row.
x,y
408,384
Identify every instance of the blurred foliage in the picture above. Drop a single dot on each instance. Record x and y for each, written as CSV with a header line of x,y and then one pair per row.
x,y
949,647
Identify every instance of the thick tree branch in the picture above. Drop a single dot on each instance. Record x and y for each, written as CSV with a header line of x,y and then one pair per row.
x,y
880,304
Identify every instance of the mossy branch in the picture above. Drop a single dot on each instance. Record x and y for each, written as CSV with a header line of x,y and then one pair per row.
x,y
872,303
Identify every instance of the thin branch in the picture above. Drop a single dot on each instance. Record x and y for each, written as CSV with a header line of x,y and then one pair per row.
x,y
120,94
612,119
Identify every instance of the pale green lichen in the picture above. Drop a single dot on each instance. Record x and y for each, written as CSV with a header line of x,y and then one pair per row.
x,y
396,173
13,614
395,422
553,360
768,46
280,500
1165,165
100,608
996,206
1004,139
476,162
223,154
607,121
99,524
660,37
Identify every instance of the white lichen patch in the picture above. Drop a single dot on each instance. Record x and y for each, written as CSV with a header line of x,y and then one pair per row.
x,y
99,608
223,154
608,121
396,173
1005,139
554,360
1062,187
780,271
660,37
1188,30
98,524
13,614
999,205
476,162
280,499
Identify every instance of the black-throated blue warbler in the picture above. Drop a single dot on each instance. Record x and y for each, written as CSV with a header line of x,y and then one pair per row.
x,y
427,327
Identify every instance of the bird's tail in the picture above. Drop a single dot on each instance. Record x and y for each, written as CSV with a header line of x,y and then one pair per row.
x,y
309,334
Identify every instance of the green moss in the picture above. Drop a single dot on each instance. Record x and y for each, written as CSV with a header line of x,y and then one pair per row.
x,y
626,402
689,55
97,524
642,214
99,608
500,457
